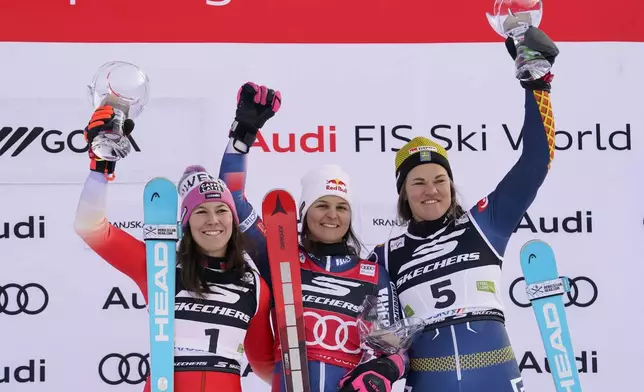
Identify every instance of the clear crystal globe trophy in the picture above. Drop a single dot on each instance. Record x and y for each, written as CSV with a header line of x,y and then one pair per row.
x,y
513,18
126,88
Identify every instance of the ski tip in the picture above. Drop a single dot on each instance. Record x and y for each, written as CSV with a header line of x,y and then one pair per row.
x,y
157,187
160,183
278,201
536,248
538,261
275,192
159,179
532,243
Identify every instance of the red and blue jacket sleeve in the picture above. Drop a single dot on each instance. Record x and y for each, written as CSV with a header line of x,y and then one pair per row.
x,y
233,172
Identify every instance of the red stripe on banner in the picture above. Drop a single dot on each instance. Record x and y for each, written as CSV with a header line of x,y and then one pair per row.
x,y
303,21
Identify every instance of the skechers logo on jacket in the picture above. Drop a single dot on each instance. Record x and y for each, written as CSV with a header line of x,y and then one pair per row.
x,y
212,309
474,256
330,287
221,293
441,246
434,249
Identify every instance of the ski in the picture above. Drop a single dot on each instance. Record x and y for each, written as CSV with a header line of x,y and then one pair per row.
x,y
160,232
545,288
280,219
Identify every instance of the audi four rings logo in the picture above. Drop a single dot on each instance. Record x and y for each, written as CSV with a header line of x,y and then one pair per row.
x,y
322,333
31,299
133,368
583,293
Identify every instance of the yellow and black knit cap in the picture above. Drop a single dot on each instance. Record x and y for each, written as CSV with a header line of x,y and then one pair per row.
x,y
416,152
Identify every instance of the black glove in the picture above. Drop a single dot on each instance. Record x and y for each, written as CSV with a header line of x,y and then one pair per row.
x,y
102,120
377,375
255,105
536,40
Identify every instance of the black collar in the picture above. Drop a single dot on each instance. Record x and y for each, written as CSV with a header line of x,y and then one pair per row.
x,y
428,227
321,249
218,263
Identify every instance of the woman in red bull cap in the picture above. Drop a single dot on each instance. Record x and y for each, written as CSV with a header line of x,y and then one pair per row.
x,y
218,287
447,265
335,279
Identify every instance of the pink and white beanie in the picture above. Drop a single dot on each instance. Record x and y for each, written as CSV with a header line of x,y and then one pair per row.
x,y
197,186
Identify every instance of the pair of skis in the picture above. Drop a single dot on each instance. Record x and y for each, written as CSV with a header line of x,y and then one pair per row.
x,y
161,232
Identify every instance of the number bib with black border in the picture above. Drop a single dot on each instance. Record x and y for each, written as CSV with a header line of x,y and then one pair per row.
x,y
332,303
453,273
210,331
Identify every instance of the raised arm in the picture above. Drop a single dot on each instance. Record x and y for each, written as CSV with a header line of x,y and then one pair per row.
x,y
255,105
233,172
499,213
117,247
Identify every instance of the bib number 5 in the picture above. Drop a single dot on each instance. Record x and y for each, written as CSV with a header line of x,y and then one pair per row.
x,y
445,296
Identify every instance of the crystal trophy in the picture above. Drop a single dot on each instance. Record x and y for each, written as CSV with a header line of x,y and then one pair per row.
x,y
513,18
377,338
126,88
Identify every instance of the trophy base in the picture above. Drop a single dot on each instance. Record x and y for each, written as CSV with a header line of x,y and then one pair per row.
x,y
111,147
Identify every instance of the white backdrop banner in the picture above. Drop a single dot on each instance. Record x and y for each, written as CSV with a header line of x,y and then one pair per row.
x,y
67,318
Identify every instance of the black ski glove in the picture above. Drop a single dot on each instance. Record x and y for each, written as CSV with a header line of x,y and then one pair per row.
x,y
255,105
102,120
537,40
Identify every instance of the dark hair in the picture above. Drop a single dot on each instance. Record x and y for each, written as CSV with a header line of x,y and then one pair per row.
x,y
349,239
192,260
405,215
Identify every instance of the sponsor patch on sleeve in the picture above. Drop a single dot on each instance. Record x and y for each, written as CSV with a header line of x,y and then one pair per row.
x,y
482,204
368,269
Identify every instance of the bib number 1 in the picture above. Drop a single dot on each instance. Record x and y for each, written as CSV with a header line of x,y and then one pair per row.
x,y
214,337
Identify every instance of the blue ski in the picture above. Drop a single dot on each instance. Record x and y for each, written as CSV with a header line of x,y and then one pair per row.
x,y
545,288
160,232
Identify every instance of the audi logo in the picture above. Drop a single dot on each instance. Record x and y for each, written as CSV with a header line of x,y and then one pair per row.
x,y
583,293
133,368
331,337
30,299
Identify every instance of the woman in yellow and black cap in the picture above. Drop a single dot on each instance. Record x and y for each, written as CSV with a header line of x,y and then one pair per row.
x,y
447,265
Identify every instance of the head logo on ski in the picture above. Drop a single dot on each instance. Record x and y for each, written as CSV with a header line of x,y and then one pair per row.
x,y
532,256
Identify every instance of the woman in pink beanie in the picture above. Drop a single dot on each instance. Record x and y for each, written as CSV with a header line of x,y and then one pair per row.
x,y
218,287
